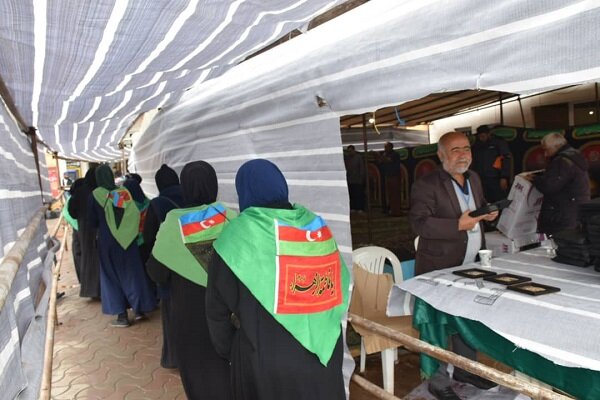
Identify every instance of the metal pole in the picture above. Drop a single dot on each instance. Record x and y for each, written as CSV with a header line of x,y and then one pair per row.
x,y
123,165
34,149
14,257
522,113
597,103
501,110
474,367
368,186
46,386
58,170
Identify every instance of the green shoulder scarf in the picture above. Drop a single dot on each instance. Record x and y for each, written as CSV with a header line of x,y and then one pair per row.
x,y
184,240
126,231
290,262
65,212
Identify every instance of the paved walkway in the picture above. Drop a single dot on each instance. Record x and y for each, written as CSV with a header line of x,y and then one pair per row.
x,y
93,360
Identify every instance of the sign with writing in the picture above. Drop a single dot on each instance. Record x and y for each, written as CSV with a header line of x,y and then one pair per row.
x,y
586,132
427,150
535,135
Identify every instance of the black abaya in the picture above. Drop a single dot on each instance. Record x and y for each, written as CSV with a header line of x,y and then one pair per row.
x,y
267,363
89,260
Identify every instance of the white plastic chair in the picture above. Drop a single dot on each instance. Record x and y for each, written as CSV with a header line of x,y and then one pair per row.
x,y
372,258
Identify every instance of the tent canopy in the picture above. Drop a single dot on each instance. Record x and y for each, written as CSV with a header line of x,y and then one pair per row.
x,y
286,103
82,71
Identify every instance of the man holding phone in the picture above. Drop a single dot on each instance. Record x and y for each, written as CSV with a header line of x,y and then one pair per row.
x,y
440,205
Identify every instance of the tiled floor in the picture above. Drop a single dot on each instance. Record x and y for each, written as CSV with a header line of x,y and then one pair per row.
x,y
93,360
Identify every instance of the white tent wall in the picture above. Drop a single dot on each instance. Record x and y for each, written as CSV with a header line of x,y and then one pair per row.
x,y
21,333
379,54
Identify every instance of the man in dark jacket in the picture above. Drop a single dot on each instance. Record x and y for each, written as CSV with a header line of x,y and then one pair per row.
x,y
491,160
440,205
565,184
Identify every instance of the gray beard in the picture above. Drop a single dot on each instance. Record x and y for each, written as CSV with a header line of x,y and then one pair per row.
x,y
462,170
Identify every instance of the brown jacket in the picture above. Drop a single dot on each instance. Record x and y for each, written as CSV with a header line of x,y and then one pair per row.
x,y
434,215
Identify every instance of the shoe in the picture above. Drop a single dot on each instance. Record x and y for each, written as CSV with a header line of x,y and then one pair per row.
x,y
121,321
472,379
442,392
140,316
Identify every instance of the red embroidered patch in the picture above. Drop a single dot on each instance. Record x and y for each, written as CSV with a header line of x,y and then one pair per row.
x,y
308,284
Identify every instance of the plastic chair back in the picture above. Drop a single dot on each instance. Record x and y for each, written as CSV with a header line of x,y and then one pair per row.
x,y
372,258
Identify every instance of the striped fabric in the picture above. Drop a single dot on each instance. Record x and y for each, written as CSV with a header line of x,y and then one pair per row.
x,y
83,83
21,336
267,106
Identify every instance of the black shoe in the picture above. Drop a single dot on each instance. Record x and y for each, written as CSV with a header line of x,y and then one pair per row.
x,y
442,392
475,380
121,322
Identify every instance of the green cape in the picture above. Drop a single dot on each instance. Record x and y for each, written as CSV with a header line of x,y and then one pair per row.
x,y
255,252
128,229
65,212
170,249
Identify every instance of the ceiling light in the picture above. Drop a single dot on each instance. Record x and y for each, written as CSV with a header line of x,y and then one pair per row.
x,y
591,112
371,120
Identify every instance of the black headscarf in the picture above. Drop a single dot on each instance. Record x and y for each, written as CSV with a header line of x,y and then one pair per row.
x,y
136,177
135,189
90,178
260,183
165,177
105,177
199,184
76,185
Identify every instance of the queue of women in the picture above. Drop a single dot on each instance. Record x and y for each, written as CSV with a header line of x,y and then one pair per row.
x,y
251,302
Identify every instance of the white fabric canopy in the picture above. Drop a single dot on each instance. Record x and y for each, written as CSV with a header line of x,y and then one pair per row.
x,y
382,53
82,71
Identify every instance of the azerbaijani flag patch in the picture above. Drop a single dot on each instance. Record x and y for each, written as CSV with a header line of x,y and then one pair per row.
x,y
308,269
119,197
194,225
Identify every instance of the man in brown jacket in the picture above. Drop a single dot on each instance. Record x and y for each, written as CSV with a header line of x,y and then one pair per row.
x,y
440,205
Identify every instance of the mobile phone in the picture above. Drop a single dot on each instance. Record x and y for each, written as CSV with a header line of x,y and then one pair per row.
x,y
491,207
